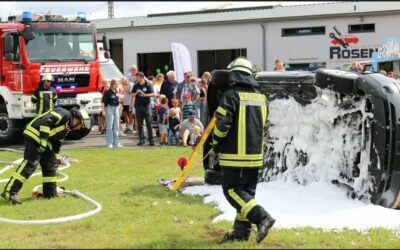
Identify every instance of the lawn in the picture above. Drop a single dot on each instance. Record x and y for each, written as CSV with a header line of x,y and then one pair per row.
x,y
140,213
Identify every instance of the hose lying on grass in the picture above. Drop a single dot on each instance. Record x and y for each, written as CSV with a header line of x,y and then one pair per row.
x,y
66,163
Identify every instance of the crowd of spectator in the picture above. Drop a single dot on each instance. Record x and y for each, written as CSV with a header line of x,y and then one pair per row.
x,y
179,108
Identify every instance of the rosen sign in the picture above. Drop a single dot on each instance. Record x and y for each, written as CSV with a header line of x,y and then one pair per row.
x,y
341,49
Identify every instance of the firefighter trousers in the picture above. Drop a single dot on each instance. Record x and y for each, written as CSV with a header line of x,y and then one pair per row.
x,y
239,187
32,158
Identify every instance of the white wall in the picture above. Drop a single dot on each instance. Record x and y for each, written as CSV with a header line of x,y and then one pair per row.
x,y
296,49
205,37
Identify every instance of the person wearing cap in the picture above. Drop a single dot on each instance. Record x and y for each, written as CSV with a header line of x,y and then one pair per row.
x,y
142,91
189,130
44,95
187,86
238,141
42,138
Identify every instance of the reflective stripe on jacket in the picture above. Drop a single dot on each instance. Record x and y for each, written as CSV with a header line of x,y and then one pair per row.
x,y
50,126
239,130
45,99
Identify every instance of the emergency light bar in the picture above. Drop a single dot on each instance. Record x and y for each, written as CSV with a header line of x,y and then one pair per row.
x,y
27,17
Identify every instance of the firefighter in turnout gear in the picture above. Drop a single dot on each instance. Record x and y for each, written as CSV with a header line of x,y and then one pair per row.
x,y
43,137
44,96
238,141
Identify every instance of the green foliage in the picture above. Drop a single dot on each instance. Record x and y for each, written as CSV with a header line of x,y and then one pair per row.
x,y
140,213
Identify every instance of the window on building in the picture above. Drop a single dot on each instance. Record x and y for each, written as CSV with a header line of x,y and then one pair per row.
x,y
320,30
155,63
357,28
208,60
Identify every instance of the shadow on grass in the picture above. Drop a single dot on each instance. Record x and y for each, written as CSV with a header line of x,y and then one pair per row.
x,y
176,241
157,191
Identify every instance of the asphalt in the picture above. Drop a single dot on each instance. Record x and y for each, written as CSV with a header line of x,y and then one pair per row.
x,y
94,140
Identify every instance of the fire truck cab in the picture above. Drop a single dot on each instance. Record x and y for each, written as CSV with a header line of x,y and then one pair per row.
x,y
33,46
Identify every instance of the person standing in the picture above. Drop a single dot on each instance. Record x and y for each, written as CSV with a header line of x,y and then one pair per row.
x,y
132,74
201,101
42,137
44,95
142,91
109,105
127,110
187,86
103,89
168,87
238,141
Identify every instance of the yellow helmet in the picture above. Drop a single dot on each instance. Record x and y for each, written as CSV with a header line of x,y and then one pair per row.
x,y
241,64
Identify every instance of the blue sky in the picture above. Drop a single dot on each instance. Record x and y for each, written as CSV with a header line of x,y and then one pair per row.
x,y
99,10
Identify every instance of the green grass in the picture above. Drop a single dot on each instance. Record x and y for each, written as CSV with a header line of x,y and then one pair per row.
x,y
140,213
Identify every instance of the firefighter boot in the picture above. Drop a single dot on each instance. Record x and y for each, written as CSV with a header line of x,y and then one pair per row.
x,y
13,198
262,219
263,228
49,190
241,231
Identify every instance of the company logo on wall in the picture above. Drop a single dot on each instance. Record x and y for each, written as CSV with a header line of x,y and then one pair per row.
x,y
341,48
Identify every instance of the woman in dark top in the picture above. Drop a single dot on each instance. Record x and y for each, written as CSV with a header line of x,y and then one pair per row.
x,y
110,103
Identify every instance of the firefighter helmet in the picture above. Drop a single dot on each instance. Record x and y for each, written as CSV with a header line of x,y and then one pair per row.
x,y
48,77
82,116
241,64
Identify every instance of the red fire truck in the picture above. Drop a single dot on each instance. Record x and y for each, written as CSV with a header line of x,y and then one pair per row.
x,y
31,46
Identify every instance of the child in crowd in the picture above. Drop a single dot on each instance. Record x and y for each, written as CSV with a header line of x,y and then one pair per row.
x,y
173,126
195,136
188,106
175,105
163,120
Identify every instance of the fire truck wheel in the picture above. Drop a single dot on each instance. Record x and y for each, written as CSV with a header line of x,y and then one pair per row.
x,y
10,129
337,80
79,134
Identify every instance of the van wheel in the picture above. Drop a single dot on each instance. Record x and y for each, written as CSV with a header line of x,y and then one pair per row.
x,y
337,80
10,129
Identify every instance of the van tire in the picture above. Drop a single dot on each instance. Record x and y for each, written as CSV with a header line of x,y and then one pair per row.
x,y
339,81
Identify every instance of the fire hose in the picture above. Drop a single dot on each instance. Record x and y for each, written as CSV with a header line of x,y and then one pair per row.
x,y
76,193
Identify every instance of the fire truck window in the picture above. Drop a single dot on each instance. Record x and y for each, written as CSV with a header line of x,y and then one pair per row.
x,y
61,47
16,55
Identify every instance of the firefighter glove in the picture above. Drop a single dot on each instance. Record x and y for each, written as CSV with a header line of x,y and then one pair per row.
x,y
42,145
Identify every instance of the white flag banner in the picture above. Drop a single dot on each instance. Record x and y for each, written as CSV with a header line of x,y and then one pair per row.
x,y
181,57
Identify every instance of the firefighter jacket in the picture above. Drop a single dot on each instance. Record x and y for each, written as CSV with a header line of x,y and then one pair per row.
x,y
239,130
45,99
49,128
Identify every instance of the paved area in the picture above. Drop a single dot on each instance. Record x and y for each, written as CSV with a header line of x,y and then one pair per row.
x,y
94,140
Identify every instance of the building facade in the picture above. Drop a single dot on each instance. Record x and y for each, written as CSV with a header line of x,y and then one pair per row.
x,y
302,36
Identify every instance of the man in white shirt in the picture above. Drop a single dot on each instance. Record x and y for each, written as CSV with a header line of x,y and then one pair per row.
x,y
191,129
